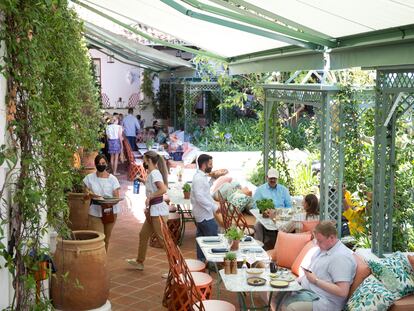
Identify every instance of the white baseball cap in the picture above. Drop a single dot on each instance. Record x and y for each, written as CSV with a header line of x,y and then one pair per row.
x,y
272,173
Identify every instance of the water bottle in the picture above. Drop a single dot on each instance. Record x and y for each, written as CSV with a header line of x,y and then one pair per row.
x,y
136,186
244,267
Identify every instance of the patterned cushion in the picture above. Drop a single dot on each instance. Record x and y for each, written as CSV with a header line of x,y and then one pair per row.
x,y
240,200
371,295
395,273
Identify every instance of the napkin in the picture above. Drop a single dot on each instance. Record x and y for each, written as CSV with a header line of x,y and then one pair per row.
x,y
211,240
247,239
252,250
219,250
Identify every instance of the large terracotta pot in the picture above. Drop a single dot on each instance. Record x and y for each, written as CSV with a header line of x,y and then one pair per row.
x,y
88,158
87,170
83,261
78,211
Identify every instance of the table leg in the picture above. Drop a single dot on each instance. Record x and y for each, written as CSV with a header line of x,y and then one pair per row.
x,y
182,219
243,306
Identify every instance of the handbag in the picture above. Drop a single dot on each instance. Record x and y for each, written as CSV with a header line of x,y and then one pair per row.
x,y
107,214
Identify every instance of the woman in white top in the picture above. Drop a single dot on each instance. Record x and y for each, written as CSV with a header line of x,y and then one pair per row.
x,y
114,136
98,185
311,207
156,185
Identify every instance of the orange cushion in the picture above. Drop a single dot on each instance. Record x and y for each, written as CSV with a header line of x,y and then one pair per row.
x,y
246,191
288,247
304,258
411,260
309,225
362,272
403,304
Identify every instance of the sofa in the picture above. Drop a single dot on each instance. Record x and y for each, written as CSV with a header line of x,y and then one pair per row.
x,y
294,250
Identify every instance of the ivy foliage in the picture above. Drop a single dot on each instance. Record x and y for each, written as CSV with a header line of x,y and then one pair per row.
x,y
52,110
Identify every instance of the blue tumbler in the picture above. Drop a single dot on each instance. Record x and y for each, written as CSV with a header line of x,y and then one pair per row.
x,y
136,186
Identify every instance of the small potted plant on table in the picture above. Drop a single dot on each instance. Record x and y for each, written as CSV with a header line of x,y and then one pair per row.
x,y
230,263
265,205
186,190
234,236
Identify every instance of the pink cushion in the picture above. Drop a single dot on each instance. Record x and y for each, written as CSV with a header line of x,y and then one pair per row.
x,y
304,258
219,182
288,246
201,278
195,265
309,225
215,305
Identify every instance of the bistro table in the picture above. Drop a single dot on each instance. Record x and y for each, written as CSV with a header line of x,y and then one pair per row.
x,y
184,208
246,249
238,283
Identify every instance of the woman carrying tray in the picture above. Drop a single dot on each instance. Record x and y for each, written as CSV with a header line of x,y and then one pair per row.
x,y
156,186
100,185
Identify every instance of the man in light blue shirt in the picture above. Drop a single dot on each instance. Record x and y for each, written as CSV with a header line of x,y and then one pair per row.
x,y
271,190
131,128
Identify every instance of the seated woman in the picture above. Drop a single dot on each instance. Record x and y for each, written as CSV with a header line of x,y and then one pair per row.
x,y
311,207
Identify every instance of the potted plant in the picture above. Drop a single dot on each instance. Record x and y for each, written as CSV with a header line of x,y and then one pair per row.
x,y
149,143
186,190
230,263
264,205
234,235
78,202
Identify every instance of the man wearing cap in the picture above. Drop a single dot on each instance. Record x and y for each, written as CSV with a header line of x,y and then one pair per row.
x,y
271,190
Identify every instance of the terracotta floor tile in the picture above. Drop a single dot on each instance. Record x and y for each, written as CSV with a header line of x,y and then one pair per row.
x,y
142,290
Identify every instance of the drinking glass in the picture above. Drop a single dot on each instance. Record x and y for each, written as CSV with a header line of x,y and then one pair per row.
x,y
251,258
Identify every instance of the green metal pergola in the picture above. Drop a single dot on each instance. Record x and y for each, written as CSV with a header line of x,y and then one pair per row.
x,y
392,97
191,90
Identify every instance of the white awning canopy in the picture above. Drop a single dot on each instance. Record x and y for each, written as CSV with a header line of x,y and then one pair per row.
x,y
255,34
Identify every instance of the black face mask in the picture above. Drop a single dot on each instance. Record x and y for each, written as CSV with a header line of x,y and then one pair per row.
x,y
208,170
146,166
101,167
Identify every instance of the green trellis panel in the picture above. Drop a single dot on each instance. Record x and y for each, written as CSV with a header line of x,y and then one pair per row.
x,y
332,153
390,83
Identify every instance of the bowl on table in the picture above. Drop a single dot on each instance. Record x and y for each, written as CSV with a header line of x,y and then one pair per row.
x,y
255,271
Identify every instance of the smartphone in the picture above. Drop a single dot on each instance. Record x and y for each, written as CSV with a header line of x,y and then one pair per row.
x,y
306,269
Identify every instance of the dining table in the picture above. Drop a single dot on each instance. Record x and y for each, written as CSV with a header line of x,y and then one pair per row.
x,y
238,283
215,248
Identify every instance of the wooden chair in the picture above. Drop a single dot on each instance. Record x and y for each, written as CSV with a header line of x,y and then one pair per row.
x,y
233,217
186,290
135,167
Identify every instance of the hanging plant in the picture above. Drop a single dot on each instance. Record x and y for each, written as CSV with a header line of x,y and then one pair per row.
x,y
52,110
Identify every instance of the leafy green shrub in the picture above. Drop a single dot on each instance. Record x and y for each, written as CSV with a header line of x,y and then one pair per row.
x,y
265,204
238,135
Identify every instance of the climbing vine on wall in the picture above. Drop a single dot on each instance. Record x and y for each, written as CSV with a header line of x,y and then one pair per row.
x,y
52,110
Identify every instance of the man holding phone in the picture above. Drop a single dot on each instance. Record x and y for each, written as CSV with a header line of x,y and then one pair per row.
x,y
331,272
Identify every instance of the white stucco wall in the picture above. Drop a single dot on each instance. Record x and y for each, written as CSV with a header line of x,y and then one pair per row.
x,y
5,279
115,84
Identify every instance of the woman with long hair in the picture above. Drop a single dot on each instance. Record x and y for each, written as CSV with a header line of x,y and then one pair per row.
x,y
311,208
98,185
156,185
114,135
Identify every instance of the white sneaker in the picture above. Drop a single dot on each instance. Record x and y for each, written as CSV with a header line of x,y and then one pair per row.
x,y
137,265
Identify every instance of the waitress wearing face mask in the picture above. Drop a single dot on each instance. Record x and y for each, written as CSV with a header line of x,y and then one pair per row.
x,y
99,185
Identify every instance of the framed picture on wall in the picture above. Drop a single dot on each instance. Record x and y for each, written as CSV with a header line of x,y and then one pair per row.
x,y
97,69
